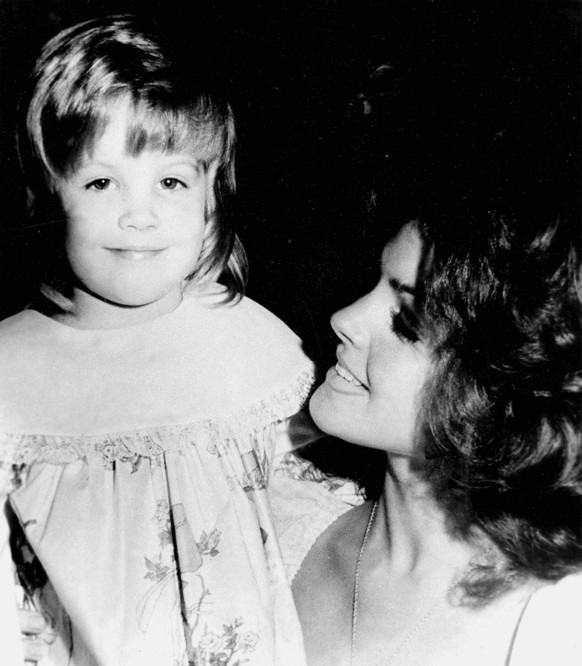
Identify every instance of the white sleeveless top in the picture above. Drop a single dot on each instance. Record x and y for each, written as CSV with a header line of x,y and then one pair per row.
x,y
305,503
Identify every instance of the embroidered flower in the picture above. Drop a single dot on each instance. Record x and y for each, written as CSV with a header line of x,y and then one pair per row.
x,y
109,453
227,648
208,544
303,470
156,571
210,642
162,514
248,641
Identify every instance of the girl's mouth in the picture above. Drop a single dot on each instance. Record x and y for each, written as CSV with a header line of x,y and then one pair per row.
x,y
136,254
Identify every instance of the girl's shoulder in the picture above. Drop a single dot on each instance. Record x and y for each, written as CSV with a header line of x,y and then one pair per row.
x,y
22,335
245,335
253,320
20,327
549,630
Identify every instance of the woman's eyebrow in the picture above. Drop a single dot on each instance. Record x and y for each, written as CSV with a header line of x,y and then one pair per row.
x,y
401,287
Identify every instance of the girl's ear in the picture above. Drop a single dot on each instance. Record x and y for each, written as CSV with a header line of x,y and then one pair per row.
x,y
210,194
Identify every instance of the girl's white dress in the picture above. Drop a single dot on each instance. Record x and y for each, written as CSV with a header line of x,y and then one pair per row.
x,y
140,462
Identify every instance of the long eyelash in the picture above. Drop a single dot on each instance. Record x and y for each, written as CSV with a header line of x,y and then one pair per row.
x,y
88,186
177,181
402,326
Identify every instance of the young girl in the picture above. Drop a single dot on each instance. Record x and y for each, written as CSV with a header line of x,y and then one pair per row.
x,y
142,397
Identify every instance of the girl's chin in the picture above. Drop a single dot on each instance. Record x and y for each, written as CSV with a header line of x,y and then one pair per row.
x,y
111,310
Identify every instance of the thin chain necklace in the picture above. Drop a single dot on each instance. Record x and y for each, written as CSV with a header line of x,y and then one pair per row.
x,y
355,600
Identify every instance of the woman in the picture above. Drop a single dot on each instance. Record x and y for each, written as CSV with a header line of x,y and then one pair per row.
x,y
467,375
462,365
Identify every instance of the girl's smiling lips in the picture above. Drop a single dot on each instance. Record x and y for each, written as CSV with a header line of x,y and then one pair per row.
x,y
136,253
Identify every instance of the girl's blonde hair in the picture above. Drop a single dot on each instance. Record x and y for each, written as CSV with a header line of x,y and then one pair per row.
x,y
81,73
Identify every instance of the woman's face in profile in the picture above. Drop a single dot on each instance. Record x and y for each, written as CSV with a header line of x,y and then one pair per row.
x,y
372,395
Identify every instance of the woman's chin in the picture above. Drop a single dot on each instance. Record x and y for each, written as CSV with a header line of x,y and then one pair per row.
x,y
319,410
329,413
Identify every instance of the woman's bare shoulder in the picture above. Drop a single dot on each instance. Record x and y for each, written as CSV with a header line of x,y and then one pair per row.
x,y
323,588
549,630
330,562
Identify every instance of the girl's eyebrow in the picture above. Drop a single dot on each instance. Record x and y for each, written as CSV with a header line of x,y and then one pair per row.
x,y
88,163
186,161
401,287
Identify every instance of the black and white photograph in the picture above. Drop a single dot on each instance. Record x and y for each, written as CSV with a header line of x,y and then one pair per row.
x,y
290,333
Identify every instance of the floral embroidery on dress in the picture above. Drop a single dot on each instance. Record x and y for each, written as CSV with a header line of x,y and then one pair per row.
x,y
299,469
250,468
208,544
255,471
212,649
228,648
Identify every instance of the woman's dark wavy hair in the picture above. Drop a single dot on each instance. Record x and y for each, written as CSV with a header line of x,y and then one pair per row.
x,y
489,170
502,310
78,76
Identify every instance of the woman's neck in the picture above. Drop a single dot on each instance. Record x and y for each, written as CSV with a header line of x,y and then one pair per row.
x,y
412,528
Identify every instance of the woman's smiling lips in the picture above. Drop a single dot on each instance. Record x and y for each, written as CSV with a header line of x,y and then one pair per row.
x,y
341,379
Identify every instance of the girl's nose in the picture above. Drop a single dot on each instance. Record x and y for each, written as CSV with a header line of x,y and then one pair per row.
x,y
138,213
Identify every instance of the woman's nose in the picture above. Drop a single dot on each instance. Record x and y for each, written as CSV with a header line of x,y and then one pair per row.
x,y
349,324
138,212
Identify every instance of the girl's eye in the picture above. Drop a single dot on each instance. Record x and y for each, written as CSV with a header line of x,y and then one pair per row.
x,y
99,184
403,326
172,183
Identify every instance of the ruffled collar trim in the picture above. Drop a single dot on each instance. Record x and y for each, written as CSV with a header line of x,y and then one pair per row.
x,y
23,449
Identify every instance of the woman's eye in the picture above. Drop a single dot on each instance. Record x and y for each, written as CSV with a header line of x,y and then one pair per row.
x,y
172,183
403,327
98,184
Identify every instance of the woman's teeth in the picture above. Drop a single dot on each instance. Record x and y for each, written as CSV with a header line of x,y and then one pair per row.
x,y
345,374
